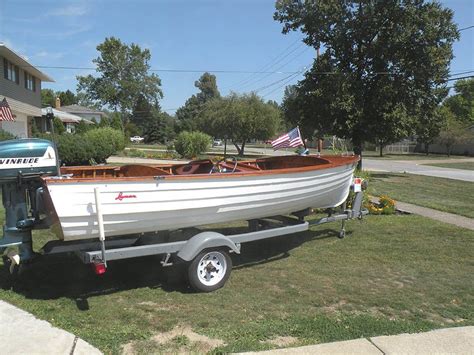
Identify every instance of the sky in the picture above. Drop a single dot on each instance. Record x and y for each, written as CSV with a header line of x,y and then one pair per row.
x,y
186,38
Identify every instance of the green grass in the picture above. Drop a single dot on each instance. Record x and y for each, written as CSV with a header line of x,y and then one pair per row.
x,y
469,165
446,195
411,156
392,274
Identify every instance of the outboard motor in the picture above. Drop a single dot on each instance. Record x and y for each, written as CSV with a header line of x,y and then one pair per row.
x,y
22,164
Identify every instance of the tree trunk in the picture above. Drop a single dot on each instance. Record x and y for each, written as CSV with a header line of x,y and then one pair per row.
x,y
241,153
240,150
381,149
358,151
237,147
427,149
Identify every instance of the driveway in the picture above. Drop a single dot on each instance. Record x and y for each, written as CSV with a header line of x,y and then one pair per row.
x,y
414,167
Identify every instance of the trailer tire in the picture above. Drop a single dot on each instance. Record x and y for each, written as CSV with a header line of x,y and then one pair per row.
x,y
209,270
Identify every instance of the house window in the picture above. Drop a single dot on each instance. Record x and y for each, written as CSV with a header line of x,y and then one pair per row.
x,y
30,82
11,71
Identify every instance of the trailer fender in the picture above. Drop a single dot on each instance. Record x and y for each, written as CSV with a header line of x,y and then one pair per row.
x,y
206,240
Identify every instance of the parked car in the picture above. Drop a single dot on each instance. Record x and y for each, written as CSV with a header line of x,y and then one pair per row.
x,y
136,139
217,142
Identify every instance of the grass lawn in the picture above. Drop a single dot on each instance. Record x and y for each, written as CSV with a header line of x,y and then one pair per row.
x,y
392,274
411,156
469,165
441,194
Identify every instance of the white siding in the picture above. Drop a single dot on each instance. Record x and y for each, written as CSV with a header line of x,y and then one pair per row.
x,y
19,127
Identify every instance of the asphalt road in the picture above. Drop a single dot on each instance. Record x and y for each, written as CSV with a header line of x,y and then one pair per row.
x,y
414,167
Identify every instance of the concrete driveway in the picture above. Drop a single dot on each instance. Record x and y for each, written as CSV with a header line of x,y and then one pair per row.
x,y
415,167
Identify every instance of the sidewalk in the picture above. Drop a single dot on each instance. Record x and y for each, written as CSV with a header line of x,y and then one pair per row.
x,y
446,217
442,341
22,333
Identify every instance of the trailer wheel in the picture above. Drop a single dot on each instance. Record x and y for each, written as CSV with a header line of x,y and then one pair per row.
x,y
209,270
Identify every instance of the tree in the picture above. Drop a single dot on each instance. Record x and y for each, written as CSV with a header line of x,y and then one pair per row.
x,y
462,103
48,97
67,97
240,119
143,113
429,126
453,132
123,77
187,115
116,121
382,64
160,128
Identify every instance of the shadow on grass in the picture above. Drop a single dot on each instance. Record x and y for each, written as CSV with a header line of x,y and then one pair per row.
x,y
387,176
54,277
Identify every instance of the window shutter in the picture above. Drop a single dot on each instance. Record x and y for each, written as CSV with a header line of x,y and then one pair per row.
x,y
17,74
34,82
5,68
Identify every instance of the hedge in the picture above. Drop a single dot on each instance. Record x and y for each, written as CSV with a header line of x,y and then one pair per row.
x,y
190,144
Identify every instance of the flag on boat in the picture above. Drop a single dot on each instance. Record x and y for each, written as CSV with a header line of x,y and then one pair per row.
x,y
290,139
6,113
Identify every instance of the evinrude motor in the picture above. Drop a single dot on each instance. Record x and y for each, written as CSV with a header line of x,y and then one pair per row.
x,y
22,164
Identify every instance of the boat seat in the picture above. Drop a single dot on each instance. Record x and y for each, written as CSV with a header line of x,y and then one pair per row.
x,y
136,170
194,167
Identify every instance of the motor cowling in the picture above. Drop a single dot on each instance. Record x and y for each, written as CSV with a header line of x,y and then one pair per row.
x,y
27,158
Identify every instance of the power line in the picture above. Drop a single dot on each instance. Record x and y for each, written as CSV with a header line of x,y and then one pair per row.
x,y
463,77
165,70
279,68
466,28
278,81
265,66
279,87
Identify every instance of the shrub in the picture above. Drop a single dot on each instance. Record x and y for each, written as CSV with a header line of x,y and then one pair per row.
x,y
95,146
105,142
75,149
4,135
190,144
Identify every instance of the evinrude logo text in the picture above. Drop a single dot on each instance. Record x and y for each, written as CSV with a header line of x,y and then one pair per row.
x,y
12,161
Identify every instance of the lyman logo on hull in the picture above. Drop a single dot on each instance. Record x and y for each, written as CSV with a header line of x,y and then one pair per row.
x,y
121,196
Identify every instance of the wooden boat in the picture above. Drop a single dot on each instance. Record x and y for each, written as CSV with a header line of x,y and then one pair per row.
x,y
141,198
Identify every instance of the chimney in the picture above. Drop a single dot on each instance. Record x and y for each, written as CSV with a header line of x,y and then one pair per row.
x,y
58,103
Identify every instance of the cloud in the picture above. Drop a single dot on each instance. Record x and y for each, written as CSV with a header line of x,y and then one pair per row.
x,y
70,10
49,55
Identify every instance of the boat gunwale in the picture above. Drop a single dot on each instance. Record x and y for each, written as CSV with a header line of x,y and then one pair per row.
x,y
341,160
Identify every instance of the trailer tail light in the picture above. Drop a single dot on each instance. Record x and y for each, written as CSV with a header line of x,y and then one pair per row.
x,y
357,185
99,268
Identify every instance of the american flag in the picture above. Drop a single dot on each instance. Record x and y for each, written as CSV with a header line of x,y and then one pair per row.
x,y
5,111
290,139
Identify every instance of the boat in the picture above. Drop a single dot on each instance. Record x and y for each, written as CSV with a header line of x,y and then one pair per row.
x,y
106,213
139,199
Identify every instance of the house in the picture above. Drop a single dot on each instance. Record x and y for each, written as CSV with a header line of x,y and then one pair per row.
x,y
69,120
20,85
84,112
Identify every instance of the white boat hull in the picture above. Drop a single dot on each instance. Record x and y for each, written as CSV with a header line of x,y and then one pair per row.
x,y
141,206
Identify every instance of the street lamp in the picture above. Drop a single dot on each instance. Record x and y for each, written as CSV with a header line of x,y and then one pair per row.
x,y
50,118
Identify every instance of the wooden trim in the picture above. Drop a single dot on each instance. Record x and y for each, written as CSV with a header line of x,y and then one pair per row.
x,y
328,162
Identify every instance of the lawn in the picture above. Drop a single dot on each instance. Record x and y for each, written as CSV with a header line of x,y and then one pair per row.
x,y
390,275
446,195
469,165
411,156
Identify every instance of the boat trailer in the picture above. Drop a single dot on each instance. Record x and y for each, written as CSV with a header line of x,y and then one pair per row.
x,y
206,253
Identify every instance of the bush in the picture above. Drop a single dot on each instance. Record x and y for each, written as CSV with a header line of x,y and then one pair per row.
x,y
75,149
190,144
4,135
105,142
